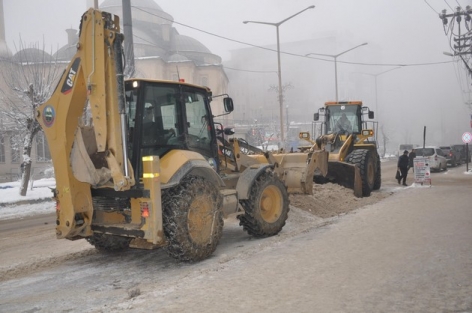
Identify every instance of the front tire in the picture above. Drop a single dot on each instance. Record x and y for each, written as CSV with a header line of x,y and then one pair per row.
x,y
192,218
267,207
364,159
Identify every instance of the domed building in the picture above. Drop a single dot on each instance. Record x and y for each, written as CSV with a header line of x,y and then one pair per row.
x,y
160,51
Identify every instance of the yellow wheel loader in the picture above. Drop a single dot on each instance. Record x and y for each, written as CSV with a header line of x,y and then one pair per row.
x,y
346,131
141,163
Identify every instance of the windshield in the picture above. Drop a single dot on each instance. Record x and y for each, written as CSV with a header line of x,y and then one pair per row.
x,y
424,152
343,118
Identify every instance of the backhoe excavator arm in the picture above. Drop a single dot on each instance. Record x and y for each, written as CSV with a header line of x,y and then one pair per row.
x,y
91,153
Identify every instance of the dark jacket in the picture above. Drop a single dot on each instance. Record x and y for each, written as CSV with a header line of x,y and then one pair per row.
x,y
403,161
411,156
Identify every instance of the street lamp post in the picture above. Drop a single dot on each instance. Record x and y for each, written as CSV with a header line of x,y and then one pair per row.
x,y
335,63
279,71
376,99
375,86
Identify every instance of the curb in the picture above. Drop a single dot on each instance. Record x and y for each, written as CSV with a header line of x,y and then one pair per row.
x,y
26,201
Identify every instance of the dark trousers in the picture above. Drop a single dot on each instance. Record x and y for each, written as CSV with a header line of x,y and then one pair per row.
x,y
404,172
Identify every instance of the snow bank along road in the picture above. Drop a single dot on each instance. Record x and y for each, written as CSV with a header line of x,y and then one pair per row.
x,y
411,252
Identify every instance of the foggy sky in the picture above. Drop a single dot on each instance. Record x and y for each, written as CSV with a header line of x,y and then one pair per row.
x,y
406,32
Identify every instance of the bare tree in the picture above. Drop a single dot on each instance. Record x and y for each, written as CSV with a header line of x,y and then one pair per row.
x,y
30,76
285,87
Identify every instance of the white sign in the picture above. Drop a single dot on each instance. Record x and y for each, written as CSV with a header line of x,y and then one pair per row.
x,y
466,137
422,171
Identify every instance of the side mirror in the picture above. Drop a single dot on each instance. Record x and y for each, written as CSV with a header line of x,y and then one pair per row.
x,y
228,131
371,114
316,116
228,103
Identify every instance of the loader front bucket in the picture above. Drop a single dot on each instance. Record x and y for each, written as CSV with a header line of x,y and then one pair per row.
x,y
347,175
297,169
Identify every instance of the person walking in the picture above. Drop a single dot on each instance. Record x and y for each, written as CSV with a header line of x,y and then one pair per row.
x,y
411,157
402,166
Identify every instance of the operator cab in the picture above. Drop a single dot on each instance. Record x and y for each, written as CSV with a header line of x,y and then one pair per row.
x,y
164,116
343,118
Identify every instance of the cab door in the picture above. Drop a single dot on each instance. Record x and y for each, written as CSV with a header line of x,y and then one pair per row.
x,y
200,135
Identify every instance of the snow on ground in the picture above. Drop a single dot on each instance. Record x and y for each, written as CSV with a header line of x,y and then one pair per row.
x,y
37,200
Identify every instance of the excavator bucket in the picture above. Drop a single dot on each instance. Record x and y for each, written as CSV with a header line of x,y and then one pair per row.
x,y
347,175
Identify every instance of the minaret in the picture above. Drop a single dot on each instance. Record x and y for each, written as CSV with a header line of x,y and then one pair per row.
x,y
4,51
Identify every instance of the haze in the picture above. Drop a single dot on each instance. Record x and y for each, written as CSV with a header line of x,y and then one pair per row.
x,y
430,90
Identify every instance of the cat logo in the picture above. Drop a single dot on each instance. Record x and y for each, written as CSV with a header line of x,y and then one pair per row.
x,y
70,79
49,115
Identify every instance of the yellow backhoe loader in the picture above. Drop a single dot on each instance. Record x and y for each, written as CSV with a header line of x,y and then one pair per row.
x,y
141,163
346,131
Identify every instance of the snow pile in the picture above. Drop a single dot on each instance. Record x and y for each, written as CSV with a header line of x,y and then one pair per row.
x,y
9,192
37,200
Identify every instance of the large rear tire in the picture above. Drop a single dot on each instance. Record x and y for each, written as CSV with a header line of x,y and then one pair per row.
x,y
364,159
110,243
192,218
267,207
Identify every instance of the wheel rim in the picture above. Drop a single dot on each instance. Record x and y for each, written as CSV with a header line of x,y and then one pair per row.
x,y
271,204
200,220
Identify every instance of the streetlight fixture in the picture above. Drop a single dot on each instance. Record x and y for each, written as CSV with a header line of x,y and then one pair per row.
x,y
279,71
335,63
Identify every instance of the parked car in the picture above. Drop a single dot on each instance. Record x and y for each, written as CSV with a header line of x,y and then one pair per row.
x,y
462,151
453,156
436,158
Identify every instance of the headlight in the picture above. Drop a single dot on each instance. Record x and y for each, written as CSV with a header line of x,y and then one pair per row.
x,y
212,163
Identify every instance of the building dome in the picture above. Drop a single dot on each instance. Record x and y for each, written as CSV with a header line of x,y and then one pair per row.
x,y
33,55
153,36
66,53
142,10
188,44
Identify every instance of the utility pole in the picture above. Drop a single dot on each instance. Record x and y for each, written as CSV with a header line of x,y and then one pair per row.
x,y
461,38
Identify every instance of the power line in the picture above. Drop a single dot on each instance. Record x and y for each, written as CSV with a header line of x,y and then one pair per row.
x,y
431,7
448,5
288,53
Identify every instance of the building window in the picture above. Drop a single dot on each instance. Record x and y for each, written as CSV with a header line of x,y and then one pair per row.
x,y
42,148
204,81
15,145
2,149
